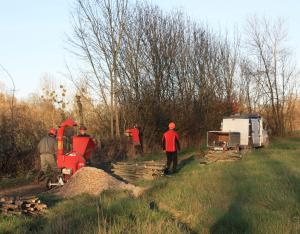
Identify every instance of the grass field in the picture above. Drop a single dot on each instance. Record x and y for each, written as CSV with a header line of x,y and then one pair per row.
x,y
258,194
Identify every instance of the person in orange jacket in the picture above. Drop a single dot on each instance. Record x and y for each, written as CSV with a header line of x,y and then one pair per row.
x,y
136,139
170,144
82,132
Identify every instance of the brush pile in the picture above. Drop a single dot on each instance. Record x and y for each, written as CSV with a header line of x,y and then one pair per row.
x,y
131,171
21,205
220,156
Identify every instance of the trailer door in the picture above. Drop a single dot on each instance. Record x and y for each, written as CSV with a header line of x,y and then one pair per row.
x,y
237,125
255,132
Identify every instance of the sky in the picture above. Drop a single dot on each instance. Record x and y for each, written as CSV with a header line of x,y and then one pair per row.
x,y
33,33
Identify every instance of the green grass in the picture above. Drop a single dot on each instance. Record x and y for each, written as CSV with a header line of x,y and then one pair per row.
x,y
259,194
12,182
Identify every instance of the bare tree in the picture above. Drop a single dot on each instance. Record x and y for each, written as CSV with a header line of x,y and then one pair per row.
x,y
99,29
150,67
273,70
12,104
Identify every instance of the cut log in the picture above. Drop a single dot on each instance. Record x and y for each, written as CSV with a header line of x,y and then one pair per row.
x,y
31,209
28,197
34,200
7,200
10,206
17,205
41,206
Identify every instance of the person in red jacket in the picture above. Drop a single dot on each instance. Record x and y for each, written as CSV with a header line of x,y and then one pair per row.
x,y
136,139
82,132
171,145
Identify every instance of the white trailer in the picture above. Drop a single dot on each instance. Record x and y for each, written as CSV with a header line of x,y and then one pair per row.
x,y
252,133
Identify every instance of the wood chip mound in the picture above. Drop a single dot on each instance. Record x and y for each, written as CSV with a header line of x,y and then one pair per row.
x,y
30,205
93,181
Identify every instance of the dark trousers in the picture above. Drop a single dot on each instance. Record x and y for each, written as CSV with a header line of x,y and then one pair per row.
x,y
171,158
138,150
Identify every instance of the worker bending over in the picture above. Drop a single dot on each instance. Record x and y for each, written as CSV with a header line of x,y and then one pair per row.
x,y
47,148
136,139
171,145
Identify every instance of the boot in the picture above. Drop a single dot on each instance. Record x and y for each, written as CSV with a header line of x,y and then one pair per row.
x,y
167,171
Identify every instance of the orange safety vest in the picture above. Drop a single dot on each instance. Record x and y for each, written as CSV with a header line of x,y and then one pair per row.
x,y
171,141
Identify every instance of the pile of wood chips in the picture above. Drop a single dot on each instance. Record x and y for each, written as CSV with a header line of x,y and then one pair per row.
x,y
93,181
131,171
220,156
30,205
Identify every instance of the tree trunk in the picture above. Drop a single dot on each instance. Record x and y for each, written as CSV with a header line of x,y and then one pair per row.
x,y
112,89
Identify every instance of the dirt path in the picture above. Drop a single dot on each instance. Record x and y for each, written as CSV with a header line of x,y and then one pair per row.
x,y
24,190
35,189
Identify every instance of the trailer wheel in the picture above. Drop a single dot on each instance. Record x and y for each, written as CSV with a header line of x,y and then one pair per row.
x,y
48,183
238,148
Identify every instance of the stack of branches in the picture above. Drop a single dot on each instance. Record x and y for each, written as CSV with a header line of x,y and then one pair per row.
x,y
30,205
220,156
131,171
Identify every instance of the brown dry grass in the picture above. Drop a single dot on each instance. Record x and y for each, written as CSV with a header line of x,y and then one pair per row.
x,y
297,113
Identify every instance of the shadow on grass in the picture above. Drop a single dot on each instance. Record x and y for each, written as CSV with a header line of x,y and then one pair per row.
x,y
182,225
290,180
234,220
86,214
50,199
185,162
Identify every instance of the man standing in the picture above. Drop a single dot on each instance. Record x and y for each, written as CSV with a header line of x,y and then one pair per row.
x,y
171,145
82,132
136,139
47,148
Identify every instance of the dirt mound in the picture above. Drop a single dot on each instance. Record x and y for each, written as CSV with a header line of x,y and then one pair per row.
x,y
93,181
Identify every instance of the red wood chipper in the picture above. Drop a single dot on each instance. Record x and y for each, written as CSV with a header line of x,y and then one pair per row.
x,y
77,157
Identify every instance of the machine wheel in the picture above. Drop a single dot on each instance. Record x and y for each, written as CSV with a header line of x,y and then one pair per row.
x,y
238,148
48,183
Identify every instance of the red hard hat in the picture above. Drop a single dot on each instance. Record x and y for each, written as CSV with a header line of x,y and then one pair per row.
x,y
52,131
82,128
172,125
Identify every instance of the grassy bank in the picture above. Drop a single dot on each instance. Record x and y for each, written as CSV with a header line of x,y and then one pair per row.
x,y
259,194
